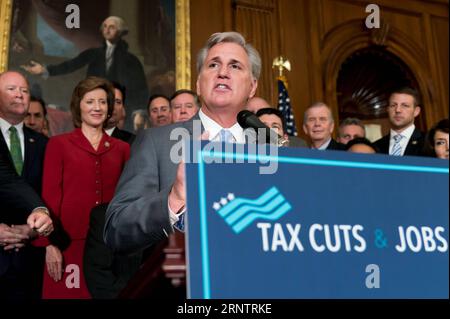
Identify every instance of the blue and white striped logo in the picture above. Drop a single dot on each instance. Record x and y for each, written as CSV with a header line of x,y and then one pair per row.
x,y
240,212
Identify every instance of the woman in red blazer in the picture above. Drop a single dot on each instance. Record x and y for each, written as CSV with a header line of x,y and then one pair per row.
x,y
81,170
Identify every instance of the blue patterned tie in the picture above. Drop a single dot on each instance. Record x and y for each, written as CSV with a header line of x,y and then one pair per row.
x,y
180,223
397,148
226,136
15,149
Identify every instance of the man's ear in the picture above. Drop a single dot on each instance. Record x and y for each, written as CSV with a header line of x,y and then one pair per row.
x,y
416,111
198,86
254,87
304,129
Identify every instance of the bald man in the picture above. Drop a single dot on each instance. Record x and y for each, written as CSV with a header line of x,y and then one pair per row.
x,y
23,150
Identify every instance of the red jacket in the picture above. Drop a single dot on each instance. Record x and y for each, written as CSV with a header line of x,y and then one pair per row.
x,y
76,178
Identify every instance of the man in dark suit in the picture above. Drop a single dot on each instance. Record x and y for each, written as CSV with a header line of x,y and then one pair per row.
x,y
150,198
17,227
118,112
111,61
24,149
318,124
404,138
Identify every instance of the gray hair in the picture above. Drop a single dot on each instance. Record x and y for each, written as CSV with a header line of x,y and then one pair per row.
x,y
121,25
231,37
351,121
183,91
318,104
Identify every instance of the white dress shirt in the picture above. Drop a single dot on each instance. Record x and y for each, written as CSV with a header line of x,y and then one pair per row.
x,y
110,131
4,125
407,133
214,129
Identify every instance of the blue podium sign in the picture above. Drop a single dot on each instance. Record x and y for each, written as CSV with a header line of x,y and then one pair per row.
x,y
324,225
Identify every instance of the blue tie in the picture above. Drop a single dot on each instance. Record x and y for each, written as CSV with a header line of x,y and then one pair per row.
x,y
226,136
180,223
397,148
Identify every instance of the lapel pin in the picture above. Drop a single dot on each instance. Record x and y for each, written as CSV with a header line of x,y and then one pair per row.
x,y
414,142
31,140
106,144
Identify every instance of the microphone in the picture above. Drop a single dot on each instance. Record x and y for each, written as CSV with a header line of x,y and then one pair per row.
x,y
248,119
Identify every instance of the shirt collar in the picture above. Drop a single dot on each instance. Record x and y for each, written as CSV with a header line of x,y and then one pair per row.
x,y
5,125
110,131
214,129
324,145
406,133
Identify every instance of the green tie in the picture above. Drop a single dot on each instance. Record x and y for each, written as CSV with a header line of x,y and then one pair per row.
x,y
15,150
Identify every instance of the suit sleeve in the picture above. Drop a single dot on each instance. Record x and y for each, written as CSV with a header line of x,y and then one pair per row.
x,y
138,216
72,65
52,184
15,192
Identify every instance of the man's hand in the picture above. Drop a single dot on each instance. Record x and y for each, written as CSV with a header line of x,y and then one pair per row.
x,y
34,68
41,222
54,261
177,195
12,237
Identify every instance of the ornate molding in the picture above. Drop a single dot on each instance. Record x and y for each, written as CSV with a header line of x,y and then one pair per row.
x,y
5,29
183,45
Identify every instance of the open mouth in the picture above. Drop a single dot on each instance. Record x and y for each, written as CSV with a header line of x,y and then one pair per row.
x,y
222,87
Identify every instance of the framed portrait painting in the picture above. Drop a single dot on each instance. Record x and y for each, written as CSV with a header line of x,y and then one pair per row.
x,y
57,43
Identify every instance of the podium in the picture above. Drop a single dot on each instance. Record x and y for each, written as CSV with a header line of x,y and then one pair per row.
x,y
328,225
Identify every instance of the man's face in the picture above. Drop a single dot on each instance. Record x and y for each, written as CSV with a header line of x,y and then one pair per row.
x,y
14,97
318,125
118,109
225,80
274,122
159,111
349,132
183,107
402,111
35,117
110,30
256,103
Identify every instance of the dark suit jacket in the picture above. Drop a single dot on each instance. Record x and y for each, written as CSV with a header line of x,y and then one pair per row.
x,y
15,193
335,146
123,135
35,144
28,262
126,69
106,273
414,147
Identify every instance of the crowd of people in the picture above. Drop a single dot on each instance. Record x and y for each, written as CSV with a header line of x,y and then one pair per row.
x,y
108,208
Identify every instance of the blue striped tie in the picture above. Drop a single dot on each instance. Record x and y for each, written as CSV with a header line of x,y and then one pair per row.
x,y
397,148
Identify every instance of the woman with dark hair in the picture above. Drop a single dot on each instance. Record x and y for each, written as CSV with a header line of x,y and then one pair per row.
x,y
81,170
361,145
437,140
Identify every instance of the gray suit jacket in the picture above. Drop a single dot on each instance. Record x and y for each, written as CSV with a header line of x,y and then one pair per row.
x,y
138,215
